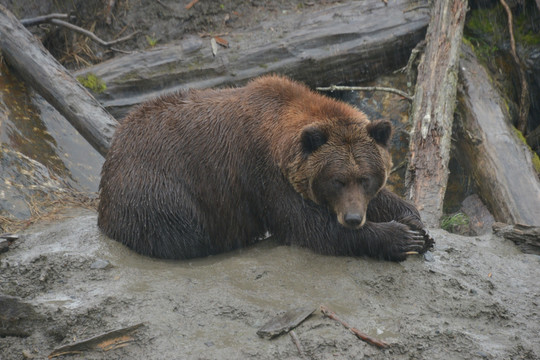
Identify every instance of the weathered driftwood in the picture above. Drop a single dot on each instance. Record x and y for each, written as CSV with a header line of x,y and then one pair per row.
x,y
41,71
344,43
433,109
526,237
488,146
107,341
285,322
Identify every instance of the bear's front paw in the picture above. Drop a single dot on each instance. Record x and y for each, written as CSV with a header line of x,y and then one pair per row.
x,y
404,241
416,224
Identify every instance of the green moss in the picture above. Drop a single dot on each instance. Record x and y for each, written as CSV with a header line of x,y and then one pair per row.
x,y
93,83
152,41
468,42
487,22
485,29
524,34
535,157
451,222
536,162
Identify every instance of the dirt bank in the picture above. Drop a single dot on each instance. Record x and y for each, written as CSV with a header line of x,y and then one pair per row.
x,y
478,298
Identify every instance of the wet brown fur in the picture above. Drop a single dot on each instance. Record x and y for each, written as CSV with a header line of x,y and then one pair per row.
x,y
203,172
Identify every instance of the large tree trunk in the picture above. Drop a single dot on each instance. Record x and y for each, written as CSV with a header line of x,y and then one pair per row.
x,y
349,42
488,146
433,109
41,71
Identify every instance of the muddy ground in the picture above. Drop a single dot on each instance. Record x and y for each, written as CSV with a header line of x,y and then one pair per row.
x,y
477,299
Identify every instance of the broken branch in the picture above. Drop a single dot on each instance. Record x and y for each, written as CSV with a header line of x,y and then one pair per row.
x,y
55,19
362,336
90,34
42,19
366,88
296,342
190,5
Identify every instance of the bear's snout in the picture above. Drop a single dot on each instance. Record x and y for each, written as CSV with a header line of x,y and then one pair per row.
x,y
351,206
354,220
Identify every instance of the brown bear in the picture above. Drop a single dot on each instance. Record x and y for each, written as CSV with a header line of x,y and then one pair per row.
x,y
202,172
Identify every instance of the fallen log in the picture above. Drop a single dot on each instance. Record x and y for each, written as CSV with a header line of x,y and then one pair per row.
x,y
41,71
526,237
500,163
349,42
433,110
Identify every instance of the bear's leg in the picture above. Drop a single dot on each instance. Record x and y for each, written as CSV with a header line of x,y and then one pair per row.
x,y
318,229
388,207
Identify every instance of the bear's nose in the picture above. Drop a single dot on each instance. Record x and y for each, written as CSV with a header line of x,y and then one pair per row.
x,y
353,220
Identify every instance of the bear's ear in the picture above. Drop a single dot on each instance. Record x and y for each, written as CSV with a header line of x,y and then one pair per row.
x,y
312,138
380,131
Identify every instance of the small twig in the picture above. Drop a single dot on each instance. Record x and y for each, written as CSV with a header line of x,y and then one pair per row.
x,y
55,19
90,34
366,88
207,34
524,101
121,51
398,166
296,342
362,336
42,19
408,69
190,5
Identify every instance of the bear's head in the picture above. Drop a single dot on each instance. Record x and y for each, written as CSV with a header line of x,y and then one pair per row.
x,y
342,165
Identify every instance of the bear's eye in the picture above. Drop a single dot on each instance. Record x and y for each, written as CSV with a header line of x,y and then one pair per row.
x,y
338,183
364,182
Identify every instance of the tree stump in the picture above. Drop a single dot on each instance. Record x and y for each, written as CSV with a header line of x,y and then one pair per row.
x,y
433,110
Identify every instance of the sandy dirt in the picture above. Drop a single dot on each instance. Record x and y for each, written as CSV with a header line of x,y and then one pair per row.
x,y
477,299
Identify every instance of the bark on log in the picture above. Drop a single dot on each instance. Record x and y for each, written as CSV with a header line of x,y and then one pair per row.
x,y
526,237
41,71
488,146
341,44
433,109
